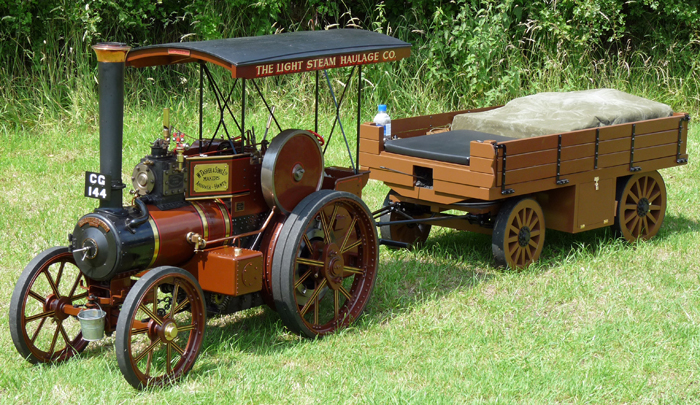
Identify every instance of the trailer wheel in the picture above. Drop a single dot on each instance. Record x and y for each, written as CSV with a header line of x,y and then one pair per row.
x,y
325,263
160,327
518,234
412,234
41,331
641,206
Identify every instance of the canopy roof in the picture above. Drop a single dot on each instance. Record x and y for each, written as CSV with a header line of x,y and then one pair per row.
x,y
271,55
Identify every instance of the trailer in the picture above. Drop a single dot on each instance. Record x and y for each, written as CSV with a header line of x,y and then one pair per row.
x,y
514,185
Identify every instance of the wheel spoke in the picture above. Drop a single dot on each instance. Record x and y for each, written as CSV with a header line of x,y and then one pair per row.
x,y
518,220
182,305
532,243
528,221
79,296
75,285
534,233
151,315
148,363
308,244
654,196
645,228
313,297
630,207
512,239
654,207
36,296
59,325
331,223
527,252
336,303
634,224
51,283
514,229
353,270
178,348
303,278
38,316
309,262
53,342
345,292
352,246
630,218
147,350
60,274
651,218
347,235
324,226
316,305
186,328
36,332
176,290
168,358
138,331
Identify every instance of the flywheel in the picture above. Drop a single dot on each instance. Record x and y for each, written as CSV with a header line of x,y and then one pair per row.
x,y
292,168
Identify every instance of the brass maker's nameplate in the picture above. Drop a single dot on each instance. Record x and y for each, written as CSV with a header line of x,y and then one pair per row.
x,y
210,177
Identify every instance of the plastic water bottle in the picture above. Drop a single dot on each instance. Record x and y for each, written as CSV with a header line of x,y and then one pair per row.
x,y
382,119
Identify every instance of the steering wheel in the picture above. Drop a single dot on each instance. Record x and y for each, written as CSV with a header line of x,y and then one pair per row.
x,y
318,136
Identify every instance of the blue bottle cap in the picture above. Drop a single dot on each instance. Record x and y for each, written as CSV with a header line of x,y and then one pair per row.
x,y
382,108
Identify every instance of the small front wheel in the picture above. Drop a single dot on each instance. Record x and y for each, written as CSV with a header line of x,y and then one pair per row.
x,y
160,328
40,327
518,234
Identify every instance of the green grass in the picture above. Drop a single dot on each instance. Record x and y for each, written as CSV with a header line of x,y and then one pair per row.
x,y
597,320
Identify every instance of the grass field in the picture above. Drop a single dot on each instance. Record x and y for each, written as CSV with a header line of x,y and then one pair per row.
x,y
597,320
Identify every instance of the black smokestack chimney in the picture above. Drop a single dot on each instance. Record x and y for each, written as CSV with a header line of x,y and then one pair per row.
x,y
111,57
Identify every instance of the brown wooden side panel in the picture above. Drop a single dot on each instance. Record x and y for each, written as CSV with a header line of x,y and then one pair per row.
x,y
370,146
617,171
585,164
441,170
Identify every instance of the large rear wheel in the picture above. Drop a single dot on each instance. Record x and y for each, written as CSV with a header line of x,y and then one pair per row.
x,y
40,328
325,263
160,327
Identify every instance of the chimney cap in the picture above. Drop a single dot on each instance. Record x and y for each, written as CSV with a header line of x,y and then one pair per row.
x,y
111,52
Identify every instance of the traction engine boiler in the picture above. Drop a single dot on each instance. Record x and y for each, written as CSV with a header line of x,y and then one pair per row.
x,y
215,227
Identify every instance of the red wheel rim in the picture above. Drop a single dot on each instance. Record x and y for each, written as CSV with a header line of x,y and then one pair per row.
x,y
335,266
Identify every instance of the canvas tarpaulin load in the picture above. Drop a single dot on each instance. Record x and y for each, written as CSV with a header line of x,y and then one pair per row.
x,y
555,113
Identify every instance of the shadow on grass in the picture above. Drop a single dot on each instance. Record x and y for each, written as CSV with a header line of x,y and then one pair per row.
x,y
449,262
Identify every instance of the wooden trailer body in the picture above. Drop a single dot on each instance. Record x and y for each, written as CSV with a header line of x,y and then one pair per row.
x,y
573,176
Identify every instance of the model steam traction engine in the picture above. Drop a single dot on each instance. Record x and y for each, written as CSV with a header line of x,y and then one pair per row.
x,y
218,226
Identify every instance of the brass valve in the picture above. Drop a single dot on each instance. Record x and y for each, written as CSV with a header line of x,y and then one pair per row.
x,y
197,240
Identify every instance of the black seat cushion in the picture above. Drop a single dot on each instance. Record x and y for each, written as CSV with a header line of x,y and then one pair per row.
x,y
450,146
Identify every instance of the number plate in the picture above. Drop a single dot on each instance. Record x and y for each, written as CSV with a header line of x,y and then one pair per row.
x,y
98,186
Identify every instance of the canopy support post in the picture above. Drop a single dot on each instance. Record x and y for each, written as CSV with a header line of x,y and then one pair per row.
x,y
243,110
337,112
316,105
337,109
272,114
201,104
359,109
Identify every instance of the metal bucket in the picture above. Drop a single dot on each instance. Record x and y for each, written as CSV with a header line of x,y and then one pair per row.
x,y
92,323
